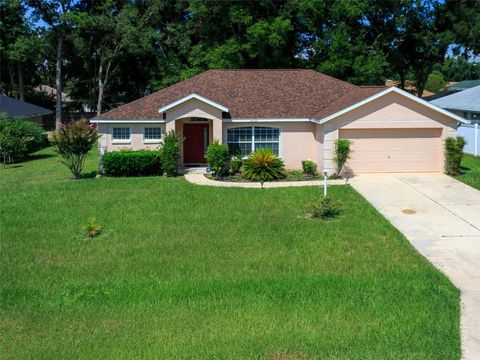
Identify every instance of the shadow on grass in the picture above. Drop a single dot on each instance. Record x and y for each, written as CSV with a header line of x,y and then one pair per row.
x,y
34,157
90,175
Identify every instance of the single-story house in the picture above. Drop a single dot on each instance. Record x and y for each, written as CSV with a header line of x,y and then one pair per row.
x,y
17,108
464,103
299,114
464,85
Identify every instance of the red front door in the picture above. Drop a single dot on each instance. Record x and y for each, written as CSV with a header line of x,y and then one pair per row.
x,y
196,142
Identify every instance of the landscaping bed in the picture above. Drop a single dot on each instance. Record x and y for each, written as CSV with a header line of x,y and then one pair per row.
x,y
184,271
291,175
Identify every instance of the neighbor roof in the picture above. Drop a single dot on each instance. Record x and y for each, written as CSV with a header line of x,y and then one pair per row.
x,y
464,100
463,85
17,108
251,94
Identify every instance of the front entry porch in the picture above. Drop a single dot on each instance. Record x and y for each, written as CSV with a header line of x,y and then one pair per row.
x,y
196,141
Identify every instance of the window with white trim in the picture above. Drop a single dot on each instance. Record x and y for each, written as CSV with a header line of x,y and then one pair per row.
x,y
121,133
152,133
244,140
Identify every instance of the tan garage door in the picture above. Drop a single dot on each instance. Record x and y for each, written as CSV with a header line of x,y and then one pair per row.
x,y
394,150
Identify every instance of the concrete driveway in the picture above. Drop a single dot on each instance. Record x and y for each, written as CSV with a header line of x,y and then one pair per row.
x,y
444,226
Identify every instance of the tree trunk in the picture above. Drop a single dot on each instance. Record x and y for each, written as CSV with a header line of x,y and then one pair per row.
x,y
11,73
102,82
21,84
100,89
402,80
58,83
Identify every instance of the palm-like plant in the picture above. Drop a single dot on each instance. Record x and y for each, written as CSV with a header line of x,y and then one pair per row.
x,y
263,165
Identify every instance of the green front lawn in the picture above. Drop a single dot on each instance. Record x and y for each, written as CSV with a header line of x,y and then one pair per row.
x,y
471,168
183,271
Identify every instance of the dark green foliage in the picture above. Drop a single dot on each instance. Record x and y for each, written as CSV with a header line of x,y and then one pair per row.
x,y
309,167
263,165
217,158
236,163
73,141
435,82
453,153
18,138
132,163
325,208
364,42
170,152
342,153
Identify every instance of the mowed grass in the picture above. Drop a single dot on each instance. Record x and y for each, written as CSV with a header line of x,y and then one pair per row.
x,y
188,272
471,171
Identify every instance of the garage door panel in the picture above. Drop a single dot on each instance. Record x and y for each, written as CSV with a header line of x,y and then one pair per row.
x,y
394,150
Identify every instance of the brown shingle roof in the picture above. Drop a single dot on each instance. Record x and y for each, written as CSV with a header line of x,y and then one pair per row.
x,y
255,94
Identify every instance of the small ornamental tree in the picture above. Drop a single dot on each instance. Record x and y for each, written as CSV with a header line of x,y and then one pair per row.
x,y
170,152
73,141
454,153
342,153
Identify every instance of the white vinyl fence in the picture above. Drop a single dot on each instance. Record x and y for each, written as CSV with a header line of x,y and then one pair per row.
x,y
471,133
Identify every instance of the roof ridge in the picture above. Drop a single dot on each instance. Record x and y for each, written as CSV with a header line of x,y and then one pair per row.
x,y
266,69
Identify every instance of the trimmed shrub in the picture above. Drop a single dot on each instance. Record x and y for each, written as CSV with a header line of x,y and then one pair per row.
x,y
454,153
263,165
170,152
132,163
217,158
342,153
295,175
18,138
236,164
309,167
324,208
73,141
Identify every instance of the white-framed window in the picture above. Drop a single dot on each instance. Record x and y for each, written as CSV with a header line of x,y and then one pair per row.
x,y
243,140
152,134
121,134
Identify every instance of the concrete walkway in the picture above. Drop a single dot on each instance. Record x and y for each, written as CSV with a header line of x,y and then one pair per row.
x,y
196,176
444,226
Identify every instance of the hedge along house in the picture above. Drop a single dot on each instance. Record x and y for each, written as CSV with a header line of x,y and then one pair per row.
x,y
299,114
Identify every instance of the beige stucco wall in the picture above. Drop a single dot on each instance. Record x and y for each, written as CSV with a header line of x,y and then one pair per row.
x,y
136,137
392,111
297,141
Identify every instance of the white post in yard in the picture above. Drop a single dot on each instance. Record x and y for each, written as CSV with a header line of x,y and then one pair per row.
x,y
475,151
325,175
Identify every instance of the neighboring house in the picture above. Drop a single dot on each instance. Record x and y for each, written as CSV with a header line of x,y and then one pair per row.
x,y
299,114
17,108
464,103
464,85
52,92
